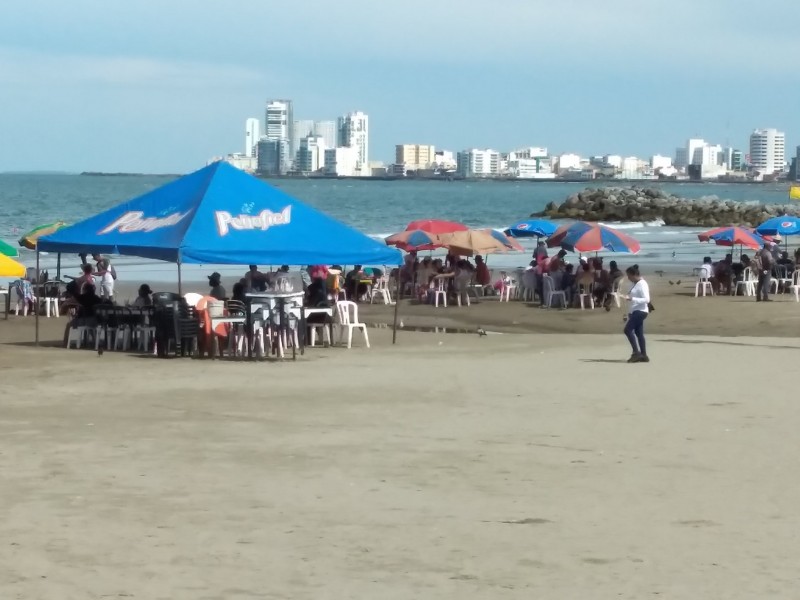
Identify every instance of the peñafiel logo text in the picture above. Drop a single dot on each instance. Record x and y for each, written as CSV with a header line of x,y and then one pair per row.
x,y
136,221
262,221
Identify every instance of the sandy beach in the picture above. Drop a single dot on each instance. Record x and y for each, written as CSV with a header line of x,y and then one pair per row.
x,y
531,465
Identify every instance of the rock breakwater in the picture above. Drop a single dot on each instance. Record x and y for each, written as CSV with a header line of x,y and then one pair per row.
x,y
634,204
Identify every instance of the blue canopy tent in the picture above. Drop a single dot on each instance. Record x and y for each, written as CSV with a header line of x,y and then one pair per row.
x,y
220,215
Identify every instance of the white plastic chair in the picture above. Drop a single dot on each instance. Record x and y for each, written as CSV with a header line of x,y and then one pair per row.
x,y
550,293
508,287
784,279
462,286
440,291
748,282
381,288
77,334
616,291
795,287
347,313
324,333
192,299
528,286
586,294
703,284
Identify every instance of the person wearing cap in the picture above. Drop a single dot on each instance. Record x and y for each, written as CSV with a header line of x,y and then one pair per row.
x,y
217,291
143,297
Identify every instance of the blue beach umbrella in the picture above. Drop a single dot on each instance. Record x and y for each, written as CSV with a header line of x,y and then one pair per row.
x,y
534,228
784,225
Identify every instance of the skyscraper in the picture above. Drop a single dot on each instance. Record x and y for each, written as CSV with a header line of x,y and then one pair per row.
x,y
278,127
326,130
300,129
279,120
354,133
252,133
768,150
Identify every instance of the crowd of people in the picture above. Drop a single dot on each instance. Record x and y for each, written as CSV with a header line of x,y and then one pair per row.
x,y
767,263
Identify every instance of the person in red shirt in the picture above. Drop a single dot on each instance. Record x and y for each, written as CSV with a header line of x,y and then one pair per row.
x,y
482,274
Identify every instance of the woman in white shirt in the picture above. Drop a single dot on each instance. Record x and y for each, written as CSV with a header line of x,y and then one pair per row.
x,y
639,301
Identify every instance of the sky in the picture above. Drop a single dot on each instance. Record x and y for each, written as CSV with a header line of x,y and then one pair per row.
x,y
161,86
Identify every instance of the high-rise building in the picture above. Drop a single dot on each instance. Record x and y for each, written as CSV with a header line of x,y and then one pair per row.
x,y
327,130
768,151
478,163
279,120
273,157
252,133
354,133
300,129
415,156
311,155
342,162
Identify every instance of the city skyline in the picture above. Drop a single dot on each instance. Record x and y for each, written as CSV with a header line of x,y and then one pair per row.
x,y
110,72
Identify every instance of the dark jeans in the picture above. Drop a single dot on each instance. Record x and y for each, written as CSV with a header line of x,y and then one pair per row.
x,y
634,331
764,283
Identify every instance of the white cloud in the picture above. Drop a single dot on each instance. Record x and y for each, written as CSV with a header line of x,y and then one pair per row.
x,y
25,68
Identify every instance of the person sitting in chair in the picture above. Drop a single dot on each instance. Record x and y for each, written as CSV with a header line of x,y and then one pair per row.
x,y
143,296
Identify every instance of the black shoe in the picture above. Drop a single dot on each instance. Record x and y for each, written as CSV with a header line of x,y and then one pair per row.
x,y
643,358
635,357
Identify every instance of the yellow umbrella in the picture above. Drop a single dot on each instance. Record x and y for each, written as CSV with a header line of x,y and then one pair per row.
x,y
10,268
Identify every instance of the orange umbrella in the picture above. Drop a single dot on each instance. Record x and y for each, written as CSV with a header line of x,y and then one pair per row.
x,y
476,241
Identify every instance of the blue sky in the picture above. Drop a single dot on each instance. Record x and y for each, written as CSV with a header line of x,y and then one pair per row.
x,y
162,85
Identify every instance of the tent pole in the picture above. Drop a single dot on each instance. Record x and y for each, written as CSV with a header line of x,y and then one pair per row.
x,y
397,303
58,267
36,304
180,283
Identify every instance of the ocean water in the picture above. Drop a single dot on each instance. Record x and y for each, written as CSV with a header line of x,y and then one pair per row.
x,y
377,208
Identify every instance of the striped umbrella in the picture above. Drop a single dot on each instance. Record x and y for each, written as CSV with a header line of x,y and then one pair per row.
x,y
10,268
7,250
504,239
732,236
592,237
29,239
415,239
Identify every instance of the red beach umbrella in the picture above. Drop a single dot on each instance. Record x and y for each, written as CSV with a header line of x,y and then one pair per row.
x,y
436,226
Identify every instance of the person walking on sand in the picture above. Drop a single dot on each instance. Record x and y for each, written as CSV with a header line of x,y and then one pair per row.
x,y
638,309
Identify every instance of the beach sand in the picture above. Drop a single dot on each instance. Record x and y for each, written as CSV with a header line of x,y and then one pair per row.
x,y
448,466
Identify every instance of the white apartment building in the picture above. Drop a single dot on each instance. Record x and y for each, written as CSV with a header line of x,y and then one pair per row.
x,y
242,161
660,162
612,160
768,151
530,168
279,120
569,161
478,163
354,133
530,152
415,156
342,162
797,165
311,154
445,159
328,131
252,133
